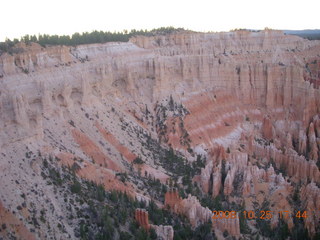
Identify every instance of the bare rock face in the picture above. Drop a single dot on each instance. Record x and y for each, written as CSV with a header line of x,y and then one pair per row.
x,y
228,182
230,225
142,218
313,154
246,102
267,128
172,199
218,154
210,177
12,225
310,194
296,166
217,181
192,209
302,143
289,141
317,125
205,176
163,232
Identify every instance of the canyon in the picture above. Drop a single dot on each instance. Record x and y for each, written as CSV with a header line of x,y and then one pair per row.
x,y
239,112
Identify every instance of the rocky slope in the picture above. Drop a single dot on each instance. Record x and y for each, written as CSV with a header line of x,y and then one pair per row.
x,y
232,119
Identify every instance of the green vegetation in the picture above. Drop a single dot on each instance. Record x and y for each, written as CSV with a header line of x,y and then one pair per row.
x,y
75,187
308,34
224,172
176,110
282,231
82,38
180,168
138,160
178,165
158,216
99,214
212,203
123,176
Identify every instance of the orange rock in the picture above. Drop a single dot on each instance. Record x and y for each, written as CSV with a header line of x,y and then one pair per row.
x,y
172,198
142,217
163,232
267,128
313,153
192,209
217,184
317,125
205,176
93,151
295,166
228,184
218,154
13,224
302,143
231,225
113,141
97,174
310,195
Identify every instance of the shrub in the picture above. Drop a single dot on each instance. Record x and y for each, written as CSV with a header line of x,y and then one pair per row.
x,y
138,160
75,187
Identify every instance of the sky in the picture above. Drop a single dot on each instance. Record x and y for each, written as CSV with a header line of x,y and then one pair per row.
x,y
20,17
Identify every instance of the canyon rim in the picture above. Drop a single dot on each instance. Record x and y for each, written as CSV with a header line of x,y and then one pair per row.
x,y
144,139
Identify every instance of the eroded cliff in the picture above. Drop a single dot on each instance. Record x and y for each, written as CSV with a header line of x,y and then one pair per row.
x,y
229,117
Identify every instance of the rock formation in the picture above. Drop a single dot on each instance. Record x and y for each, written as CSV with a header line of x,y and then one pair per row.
x,y
247,102
192,209
172,199
267,129
310,194
295,166
142,218
163,232
12,226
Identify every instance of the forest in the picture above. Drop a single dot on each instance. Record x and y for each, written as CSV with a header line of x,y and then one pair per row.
x,y
84,38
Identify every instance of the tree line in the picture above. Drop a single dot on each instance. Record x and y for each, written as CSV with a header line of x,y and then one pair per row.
x,y
84,38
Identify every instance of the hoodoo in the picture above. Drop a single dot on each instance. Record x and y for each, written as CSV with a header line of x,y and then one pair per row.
x,y
93,138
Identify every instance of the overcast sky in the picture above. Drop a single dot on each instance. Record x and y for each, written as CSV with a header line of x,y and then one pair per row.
x,y
21,17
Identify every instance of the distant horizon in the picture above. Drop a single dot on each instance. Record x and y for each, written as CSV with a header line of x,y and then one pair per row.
x,y
187,29
62,17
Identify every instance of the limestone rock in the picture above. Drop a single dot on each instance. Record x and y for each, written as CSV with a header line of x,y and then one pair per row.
x,y
228,183
310,194
216,181
205,176
85,102
296,166
231,225
192,208
289,141
172,199
267,128
316,121
142,217
197,214
163,232
302,142
13,224
313,153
